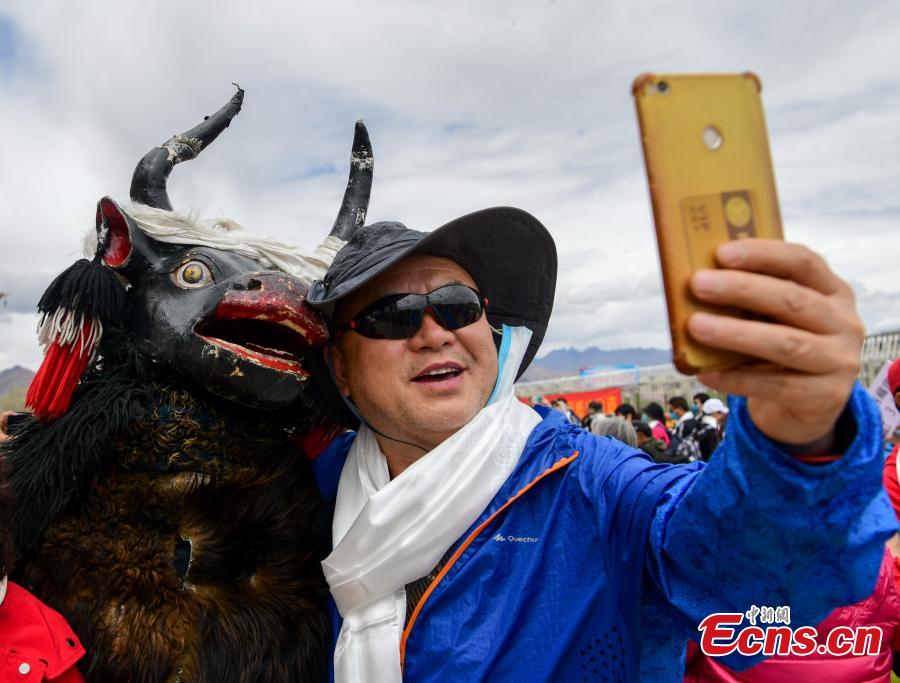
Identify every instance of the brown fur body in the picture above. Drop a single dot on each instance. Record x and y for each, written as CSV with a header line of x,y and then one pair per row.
x,y
194,555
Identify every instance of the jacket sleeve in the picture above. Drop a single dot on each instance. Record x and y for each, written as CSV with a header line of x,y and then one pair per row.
x,y
757,527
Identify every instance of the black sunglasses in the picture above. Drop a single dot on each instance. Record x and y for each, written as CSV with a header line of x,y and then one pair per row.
x,y
399,316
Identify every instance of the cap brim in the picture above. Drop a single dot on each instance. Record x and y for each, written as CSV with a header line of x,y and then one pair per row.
x,y
512,258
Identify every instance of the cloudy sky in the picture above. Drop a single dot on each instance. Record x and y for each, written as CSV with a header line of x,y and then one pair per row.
x,y
469,103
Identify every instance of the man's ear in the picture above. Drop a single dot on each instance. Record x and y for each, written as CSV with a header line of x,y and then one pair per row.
x,y
335,358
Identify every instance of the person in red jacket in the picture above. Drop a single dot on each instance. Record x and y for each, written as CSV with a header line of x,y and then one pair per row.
x,y
881,609
890,478
36,643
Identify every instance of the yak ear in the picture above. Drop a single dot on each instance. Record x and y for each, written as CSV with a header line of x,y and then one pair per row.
x,y
115,241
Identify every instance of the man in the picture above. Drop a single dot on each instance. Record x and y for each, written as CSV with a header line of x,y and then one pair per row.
x,y
683,447
715,413
562,406
697,402
478,539
684,418
593,408
652,446
626,411
706,433
615,427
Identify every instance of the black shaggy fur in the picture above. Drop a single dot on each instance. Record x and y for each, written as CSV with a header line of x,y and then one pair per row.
x,y
7,550
179,534
86,288
51,465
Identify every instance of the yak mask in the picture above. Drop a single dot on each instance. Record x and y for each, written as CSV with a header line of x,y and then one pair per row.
x,y
209,300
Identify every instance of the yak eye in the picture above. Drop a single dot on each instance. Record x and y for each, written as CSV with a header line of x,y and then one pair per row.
x,y
193,274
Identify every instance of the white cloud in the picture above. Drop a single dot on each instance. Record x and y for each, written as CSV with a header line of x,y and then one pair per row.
x,y
19,347
469,104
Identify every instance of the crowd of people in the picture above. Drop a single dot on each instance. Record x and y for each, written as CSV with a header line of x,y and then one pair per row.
x,y
686,432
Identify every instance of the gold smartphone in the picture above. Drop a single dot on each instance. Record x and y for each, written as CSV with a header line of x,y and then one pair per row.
x,y
706,151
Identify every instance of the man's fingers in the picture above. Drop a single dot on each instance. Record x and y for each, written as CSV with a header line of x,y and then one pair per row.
x,y
783,260
779,385
790,407
786,346
784,300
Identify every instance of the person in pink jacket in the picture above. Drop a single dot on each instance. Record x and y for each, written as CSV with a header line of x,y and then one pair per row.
x,y
657,421
881,609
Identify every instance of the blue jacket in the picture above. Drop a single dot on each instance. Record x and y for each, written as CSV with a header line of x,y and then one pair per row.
x,y
594,563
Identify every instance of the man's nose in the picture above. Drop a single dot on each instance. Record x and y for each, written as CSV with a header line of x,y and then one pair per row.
x,y
430,335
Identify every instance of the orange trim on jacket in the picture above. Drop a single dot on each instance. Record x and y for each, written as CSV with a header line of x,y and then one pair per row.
x,y
558,465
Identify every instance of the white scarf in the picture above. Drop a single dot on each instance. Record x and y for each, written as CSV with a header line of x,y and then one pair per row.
x,y
388,533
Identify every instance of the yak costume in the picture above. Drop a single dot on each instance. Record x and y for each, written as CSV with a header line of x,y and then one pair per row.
x,y
164,503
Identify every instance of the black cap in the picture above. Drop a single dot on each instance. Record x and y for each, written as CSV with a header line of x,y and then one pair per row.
x,y
507,251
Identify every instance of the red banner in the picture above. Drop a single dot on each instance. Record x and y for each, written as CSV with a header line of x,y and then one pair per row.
x,y
578,400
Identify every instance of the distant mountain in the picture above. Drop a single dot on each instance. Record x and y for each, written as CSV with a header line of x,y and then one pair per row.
x,y
15,377
562,362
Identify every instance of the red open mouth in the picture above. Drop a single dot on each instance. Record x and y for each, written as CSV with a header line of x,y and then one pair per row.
x,y
259,341
269,325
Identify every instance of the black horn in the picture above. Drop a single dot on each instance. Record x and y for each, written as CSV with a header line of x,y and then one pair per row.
x,y
148,184
359,186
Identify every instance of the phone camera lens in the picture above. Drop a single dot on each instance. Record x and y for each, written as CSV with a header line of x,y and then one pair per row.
x,y
662,87
712,138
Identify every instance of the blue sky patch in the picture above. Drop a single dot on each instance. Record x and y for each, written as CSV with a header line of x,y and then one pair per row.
x,y
307,173
457,126
8,39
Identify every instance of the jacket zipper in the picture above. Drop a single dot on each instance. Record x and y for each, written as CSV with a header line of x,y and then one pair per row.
x,y
558,465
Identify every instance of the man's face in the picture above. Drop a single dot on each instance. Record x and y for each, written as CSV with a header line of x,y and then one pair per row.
x,y
388,379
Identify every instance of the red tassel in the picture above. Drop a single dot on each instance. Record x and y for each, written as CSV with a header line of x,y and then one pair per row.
x,y
51,389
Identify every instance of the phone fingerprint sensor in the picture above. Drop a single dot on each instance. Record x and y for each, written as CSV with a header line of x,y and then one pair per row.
x,y
738,214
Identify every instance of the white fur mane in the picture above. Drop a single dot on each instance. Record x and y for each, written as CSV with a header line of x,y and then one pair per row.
x,y
173,227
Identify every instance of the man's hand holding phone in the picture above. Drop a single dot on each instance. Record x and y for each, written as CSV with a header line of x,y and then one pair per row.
x,y
809,347
750,314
